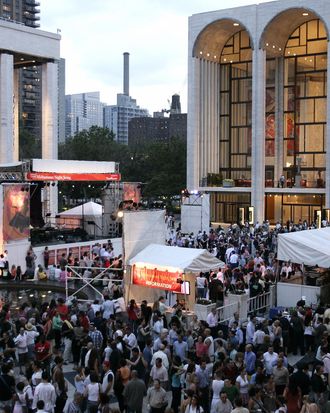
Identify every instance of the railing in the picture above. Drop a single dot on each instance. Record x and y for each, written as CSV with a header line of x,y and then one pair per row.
x,y
87,282
262,302
226,312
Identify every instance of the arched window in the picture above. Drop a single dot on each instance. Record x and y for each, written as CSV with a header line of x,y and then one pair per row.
x,y
235,109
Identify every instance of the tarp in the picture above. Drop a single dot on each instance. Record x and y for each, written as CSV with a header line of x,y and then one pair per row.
x,y
87,209
184,260
310,247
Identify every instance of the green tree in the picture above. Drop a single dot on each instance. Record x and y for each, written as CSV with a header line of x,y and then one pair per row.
x,y
160,166
28,145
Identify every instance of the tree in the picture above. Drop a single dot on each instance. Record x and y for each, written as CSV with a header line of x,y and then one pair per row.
x,y
28,145
161,166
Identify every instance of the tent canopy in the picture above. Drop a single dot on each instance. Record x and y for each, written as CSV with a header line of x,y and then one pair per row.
x,y
87,209
310,247
182,259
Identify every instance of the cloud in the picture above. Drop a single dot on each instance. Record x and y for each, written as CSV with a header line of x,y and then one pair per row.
x,y
155,33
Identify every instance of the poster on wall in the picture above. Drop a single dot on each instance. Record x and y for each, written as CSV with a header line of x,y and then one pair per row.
x,y
74,251
132,191
270,135
155,278
59,253
85,251
51,260
16,212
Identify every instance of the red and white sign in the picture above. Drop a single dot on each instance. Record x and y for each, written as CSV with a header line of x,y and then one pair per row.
x,y
155,278
54,176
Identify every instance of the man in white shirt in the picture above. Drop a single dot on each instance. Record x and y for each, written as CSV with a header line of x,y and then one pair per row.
x,y
22,348
45,391
210,343
130,338
258,336
233,260
212,320
107,307
160,354
250,330
270,358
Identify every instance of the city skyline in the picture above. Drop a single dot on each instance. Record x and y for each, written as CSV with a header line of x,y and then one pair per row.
x,y
94,39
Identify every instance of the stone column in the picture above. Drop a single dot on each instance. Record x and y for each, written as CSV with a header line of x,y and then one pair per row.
x,y
193,125
6,108
16,116
50,126
327,155
258,133
49,110
279,126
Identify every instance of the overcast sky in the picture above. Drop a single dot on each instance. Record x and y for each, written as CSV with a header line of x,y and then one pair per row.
x,y
95,33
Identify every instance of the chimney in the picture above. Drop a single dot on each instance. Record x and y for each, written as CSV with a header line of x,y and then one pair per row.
x,y
126,73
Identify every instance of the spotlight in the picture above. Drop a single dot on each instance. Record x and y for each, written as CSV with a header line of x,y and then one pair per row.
x,y
120,214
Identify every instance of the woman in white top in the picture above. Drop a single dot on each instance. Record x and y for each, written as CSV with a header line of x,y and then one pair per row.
x,y
36,375
193,406
242,383
92,392
217,386
79,380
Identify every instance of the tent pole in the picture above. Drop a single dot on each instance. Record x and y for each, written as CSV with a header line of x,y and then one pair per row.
x,y
303,281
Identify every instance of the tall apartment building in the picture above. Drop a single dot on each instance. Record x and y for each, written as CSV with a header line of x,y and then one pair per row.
x,y
116,117
83,110
27,12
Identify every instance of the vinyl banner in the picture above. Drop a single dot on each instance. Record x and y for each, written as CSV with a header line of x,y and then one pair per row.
x,y
54,176
16,212
155,278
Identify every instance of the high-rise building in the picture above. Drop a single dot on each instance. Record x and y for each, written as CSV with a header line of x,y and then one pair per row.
x,y
27,12
83,110
116,117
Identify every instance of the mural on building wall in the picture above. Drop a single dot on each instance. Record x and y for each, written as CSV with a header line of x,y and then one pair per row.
x,y
16,212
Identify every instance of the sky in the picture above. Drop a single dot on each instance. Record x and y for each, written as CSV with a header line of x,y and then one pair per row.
x,y
96,33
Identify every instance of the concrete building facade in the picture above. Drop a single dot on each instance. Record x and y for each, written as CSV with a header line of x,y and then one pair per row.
x,y
258,110
157,128
82,110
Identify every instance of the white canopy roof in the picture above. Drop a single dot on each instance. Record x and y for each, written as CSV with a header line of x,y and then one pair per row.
x,y
176,258
87,209
310,247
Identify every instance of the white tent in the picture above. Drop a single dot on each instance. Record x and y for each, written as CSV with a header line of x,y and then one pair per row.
x,y
184,260
87,209
86,213
310,247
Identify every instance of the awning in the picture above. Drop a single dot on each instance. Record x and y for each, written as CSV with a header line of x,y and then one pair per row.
x,y
310,247
179,259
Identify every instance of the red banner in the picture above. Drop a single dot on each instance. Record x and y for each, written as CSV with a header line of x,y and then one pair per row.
x,y
154,278
54,176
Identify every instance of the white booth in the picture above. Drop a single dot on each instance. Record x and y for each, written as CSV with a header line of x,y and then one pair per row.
x,y
311,248
159,267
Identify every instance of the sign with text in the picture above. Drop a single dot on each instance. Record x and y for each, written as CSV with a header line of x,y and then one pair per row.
x,y
155,278
54,176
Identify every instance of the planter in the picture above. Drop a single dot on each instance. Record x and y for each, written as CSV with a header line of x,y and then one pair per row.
x,y
227,184
202,310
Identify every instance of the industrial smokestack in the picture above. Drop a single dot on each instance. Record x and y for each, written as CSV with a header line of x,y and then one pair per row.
x,y
126,73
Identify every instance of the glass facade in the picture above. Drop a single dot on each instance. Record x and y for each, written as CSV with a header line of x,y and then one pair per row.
x,y
225,207
235,109
305,83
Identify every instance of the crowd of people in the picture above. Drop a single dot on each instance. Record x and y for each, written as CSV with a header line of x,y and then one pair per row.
x,y
132,357
127,358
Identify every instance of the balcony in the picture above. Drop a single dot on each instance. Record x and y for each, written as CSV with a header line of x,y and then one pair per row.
x,y
216,180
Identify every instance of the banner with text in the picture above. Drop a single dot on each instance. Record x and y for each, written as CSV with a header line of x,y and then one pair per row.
x,y
155,278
